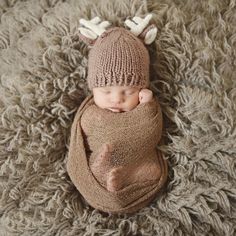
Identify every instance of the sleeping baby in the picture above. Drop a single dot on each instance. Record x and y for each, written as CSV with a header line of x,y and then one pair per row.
x,y
113,157
121,99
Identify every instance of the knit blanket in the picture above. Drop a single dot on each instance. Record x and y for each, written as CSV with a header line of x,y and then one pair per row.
x,y
133,136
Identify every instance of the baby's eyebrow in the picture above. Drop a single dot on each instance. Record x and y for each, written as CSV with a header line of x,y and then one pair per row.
x,y
124,89
128,88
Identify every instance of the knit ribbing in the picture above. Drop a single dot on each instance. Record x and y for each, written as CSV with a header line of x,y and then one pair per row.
x,y
118,58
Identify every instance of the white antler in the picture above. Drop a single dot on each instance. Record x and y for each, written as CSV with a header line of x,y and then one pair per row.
x,y
137,26
94,27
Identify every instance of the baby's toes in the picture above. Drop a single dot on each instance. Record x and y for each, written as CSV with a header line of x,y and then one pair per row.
x,y
112,184
114,180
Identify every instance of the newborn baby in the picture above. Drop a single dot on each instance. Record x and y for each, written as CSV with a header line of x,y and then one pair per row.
x,y
113,157
121,99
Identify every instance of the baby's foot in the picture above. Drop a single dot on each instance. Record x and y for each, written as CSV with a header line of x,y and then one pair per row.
x,y
147,171
99,164
117,178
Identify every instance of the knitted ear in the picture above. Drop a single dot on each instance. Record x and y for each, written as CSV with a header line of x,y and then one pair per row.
x,y
141,29
91,29
149,34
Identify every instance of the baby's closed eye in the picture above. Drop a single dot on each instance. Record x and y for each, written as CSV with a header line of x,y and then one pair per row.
x,y
129,92
106,92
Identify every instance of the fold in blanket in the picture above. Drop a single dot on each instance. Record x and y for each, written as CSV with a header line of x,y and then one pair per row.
x,y
133,136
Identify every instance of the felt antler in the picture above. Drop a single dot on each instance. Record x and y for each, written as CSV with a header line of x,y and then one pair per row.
x,y
94,27
138,27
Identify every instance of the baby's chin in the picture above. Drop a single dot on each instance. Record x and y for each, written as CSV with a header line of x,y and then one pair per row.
x,y
124,109
120,110
116,110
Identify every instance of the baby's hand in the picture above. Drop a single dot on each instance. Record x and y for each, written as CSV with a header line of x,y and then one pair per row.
x,y
145,95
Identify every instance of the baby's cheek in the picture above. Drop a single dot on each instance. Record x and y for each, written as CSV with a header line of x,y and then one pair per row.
x,y
100,101
132,102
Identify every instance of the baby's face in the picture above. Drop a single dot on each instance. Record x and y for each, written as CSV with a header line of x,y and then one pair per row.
x,y
117,98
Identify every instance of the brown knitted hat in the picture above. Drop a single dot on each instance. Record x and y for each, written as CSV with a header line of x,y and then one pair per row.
x,y
118,58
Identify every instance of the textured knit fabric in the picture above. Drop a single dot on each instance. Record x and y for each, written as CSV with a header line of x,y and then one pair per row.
x,y
133,135
118,57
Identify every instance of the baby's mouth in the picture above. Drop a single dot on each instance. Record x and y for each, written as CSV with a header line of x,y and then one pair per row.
x,y
114,109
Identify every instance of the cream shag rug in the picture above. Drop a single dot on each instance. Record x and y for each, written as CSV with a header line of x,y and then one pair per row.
x,y
43,68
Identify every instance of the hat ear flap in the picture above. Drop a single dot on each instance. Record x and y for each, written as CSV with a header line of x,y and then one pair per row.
x,y
141,28
86,40
149,34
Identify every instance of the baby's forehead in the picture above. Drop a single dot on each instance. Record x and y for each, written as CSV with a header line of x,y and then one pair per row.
x,y
119,88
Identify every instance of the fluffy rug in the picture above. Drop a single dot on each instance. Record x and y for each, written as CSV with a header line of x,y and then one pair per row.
x,y
43,68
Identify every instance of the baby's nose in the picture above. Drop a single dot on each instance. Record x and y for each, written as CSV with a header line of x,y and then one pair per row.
x,y
116,99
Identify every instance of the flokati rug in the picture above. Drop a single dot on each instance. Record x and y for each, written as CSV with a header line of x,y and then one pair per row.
x,y
43,69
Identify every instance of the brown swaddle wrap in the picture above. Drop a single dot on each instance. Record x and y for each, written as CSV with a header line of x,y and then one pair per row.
x,y
133,136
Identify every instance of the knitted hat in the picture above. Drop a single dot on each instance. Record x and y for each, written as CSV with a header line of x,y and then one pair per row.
x,y
118,58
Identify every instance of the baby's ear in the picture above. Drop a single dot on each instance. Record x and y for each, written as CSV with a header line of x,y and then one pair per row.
x,y
140,28
92,29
